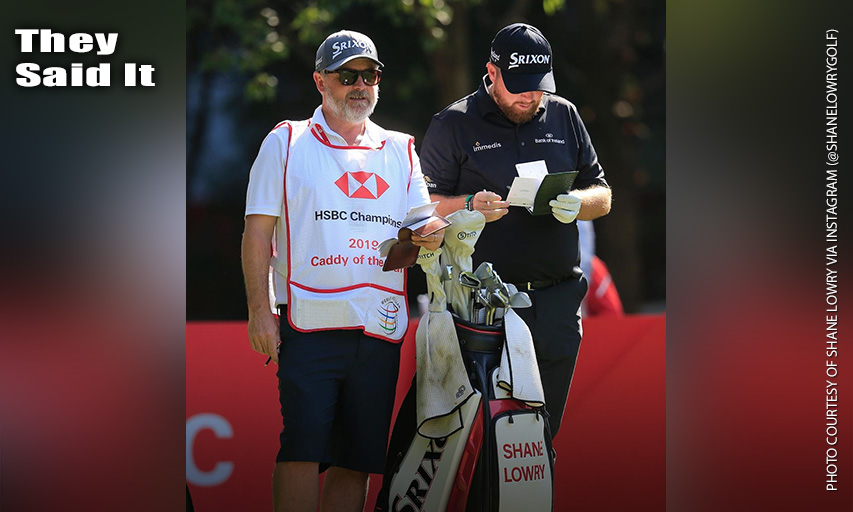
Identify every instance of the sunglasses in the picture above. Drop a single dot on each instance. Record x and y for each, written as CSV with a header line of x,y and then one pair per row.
x,y
370,77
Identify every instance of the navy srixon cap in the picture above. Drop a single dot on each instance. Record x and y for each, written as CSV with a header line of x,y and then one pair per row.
x,y
342,47
524,57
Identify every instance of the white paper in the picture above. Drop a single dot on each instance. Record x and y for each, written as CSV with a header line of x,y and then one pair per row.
x,y
536,169
419,213
523,191
525,186
385,247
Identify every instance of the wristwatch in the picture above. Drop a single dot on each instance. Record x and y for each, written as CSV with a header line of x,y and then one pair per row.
x,y
469,203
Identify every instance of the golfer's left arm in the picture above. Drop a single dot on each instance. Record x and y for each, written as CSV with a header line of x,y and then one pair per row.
x,y
585,204
595,202
592,192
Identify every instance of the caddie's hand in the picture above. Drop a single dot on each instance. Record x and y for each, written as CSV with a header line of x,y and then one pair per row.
x,y
429,242
490,205
566,207
263,333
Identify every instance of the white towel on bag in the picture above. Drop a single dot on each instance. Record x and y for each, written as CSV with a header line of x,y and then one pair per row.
x,y
518,373
442,381
430,264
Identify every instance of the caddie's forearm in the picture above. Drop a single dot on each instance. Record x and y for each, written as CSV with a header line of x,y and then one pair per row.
x,y
595,202
448,204
256,261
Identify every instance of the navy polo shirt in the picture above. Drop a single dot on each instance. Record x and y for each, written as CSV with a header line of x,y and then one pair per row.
x,y
470,146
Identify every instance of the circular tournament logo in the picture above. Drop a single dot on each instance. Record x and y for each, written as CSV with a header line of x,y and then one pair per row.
x,y
388,313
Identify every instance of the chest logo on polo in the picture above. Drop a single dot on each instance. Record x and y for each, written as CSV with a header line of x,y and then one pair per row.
x,y
483,147
362,185
549,139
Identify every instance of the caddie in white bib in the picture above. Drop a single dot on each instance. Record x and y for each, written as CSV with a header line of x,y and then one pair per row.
x,y
340,203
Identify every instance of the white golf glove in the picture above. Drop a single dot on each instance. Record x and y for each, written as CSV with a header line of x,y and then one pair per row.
x,y
566,207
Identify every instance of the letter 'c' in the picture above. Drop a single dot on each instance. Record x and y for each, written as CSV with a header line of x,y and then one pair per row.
x,y
222,470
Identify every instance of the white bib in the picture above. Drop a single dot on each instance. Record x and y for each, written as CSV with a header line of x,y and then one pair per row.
x,y
340,204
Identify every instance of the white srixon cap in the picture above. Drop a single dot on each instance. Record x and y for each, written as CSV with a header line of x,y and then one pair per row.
x,y
342,47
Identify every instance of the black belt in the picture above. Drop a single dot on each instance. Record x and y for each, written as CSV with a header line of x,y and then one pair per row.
x,y
532,286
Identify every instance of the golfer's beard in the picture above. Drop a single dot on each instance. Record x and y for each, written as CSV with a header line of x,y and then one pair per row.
x,y
513,114
352,113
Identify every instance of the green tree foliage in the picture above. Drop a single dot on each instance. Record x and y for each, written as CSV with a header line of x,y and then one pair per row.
x,y
251,35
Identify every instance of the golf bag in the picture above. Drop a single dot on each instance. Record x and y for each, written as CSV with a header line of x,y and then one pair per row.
x,y
500,460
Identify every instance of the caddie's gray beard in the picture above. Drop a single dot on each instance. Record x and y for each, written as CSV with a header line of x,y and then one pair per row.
x,y
351,114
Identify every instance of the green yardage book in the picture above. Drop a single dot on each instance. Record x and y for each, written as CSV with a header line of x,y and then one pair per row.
x,y
546,188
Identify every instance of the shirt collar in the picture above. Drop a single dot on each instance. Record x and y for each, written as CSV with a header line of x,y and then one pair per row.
x,y
373,137
484,100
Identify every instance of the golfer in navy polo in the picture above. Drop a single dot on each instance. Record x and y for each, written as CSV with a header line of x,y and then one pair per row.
x,y
469,158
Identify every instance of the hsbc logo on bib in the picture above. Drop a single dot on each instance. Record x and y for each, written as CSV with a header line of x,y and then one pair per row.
x,y
362,185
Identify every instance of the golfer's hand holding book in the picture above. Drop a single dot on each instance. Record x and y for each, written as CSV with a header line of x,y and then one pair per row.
x,y
537,190
566,207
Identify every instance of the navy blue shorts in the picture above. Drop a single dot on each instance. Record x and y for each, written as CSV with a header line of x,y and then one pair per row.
x,y
336,390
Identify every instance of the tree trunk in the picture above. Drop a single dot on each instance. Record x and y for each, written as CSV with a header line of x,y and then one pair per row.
x,y
450,62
